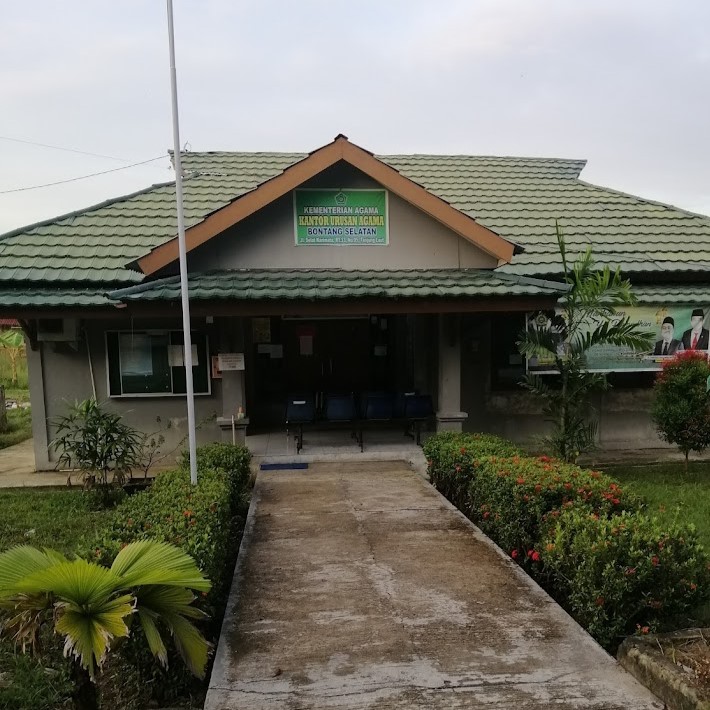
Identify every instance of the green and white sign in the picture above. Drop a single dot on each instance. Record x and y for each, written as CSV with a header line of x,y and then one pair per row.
x,y
340,217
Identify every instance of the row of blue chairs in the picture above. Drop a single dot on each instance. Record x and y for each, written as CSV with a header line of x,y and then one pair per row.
x,y
370,408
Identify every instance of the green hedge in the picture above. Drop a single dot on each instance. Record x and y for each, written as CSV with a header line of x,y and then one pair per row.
x,y
205,521
577,531
623,572
450,456
511,499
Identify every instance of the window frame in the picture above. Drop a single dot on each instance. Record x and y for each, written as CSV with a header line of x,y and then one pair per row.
x,y
153,395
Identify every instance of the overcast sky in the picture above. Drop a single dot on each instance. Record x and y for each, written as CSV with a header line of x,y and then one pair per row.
x,y
622,83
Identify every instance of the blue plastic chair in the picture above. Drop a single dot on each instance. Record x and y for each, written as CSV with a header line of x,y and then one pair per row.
x,y
300,410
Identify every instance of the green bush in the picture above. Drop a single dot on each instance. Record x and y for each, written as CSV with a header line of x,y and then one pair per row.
x,y
203,520
234,460
195,518
510,499
680,404
450,457
626,571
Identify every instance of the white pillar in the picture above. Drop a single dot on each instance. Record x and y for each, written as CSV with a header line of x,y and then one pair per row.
x,y
449,416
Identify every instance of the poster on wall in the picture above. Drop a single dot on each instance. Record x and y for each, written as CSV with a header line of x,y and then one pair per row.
x,y
675,329
340,217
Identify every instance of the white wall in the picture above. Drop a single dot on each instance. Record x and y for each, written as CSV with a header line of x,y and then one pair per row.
x,y
67,380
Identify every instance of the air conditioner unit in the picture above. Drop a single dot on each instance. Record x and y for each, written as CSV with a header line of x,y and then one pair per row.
x,y
57,330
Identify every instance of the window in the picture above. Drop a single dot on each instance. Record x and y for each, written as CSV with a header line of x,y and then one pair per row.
x,y
507,364
151,362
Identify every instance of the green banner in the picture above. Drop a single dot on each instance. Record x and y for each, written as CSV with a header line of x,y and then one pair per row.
x,y
340,217
676,328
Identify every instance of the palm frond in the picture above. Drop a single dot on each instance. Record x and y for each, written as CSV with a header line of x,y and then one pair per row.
x,y
78,581
172,607
621,333
88,632
149,562
191,644
538,340
19,562
24,616
155,641
163,599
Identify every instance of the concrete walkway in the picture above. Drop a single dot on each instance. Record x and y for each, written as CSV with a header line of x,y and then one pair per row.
x,y
17,468
358,586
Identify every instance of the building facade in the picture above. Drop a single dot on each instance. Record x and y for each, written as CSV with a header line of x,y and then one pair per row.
x,y
336,271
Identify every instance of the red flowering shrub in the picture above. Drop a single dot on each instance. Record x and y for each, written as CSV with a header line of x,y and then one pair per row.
x,y
617,573
451,456
680,407
511,498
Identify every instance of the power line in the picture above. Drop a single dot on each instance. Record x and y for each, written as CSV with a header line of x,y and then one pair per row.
x,y
67,150
81,177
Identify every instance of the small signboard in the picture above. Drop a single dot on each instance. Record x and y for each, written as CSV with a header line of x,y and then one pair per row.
x,y
340,217
230,361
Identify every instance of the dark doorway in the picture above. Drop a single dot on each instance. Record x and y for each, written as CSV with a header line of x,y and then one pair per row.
x,y
319,356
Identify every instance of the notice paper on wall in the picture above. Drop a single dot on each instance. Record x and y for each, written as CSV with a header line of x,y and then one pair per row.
x,y
231,361
176,355
261,330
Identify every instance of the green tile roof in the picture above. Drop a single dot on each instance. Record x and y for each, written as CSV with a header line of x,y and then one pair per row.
x,y
672,294
59,296
519,198
319,284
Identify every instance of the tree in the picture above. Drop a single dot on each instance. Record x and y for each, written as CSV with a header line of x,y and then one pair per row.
x,y
13,342
680,404
588,317
91,606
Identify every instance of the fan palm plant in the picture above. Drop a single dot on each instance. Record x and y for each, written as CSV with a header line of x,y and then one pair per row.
x,y
588,317
91,605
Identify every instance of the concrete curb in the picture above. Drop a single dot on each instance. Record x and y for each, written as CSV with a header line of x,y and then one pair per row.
x,y
641,657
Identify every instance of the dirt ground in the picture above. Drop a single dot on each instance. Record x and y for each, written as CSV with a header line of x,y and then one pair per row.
x,y
692,656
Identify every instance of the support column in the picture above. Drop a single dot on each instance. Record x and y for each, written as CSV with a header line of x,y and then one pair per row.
x,y
449,416
233,382
40,437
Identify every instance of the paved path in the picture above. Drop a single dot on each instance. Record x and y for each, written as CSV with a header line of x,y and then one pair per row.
x,y
17,468
358,586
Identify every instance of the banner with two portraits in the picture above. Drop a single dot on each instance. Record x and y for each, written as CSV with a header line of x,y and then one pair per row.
x,y
676,328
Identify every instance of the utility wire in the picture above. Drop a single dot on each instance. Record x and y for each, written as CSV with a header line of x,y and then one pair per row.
x,y
68,150
81,177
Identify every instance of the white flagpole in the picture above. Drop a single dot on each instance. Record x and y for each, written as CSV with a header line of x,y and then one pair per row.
x,y
187,338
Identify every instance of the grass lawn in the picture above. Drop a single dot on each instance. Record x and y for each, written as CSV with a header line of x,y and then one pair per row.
x,y
43,518
672,494
46,518
19,427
